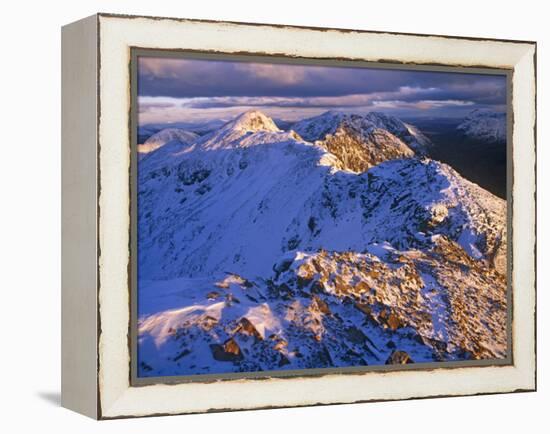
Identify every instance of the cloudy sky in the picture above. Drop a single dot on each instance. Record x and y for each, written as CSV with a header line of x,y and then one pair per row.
x,y
188,90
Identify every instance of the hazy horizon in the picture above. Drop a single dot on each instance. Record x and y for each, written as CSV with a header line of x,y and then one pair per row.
x,y
172,90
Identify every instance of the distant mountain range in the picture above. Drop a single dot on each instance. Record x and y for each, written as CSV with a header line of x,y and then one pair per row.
x,y
147,130
337,242
164,136
484,126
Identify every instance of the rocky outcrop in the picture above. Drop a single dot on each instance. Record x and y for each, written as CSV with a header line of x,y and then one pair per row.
x,y
319,128
329,309
398,357
229,351
358,150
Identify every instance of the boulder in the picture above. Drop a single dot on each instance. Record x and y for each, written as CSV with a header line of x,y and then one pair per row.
x,y
390,319
398,357
246,327
213,295
229,351
393,321
320,305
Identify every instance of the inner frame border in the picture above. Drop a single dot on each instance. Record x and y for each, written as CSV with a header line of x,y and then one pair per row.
x,y
136,52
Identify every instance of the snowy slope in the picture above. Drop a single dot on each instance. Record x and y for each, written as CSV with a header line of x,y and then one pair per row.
x,y
257,251
485,126
323,309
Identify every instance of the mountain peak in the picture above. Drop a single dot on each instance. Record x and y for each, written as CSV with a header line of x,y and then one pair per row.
x,y
318,127
332,113
253,120
358,141
250,128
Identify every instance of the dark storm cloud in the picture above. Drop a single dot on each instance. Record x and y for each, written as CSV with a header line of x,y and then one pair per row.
x,y
191,78
185,78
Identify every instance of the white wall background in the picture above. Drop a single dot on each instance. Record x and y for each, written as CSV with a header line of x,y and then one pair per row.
x,y
30,215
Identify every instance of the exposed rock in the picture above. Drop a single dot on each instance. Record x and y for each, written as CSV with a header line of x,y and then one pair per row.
x,y
246,327
500,257
390,319
393,321
208,322
283,361
438,213
213,295
231,299
229,351
358,150
426,289
320,305
327,124
280,345
398,357
232,279
365,308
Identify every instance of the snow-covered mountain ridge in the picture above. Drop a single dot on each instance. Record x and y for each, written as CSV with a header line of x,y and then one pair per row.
x,y
485,126
363,141
329,264
328,123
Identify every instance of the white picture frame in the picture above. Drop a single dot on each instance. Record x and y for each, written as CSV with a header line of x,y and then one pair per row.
x,y
96,356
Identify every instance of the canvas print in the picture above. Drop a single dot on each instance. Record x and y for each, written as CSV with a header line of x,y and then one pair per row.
x,y
295,217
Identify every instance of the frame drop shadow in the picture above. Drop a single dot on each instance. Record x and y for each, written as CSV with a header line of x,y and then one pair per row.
x,y
52,398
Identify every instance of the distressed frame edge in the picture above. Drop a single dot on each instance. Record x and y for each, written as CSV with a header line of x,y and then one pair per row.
x,y
79,219
529,387
315,28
